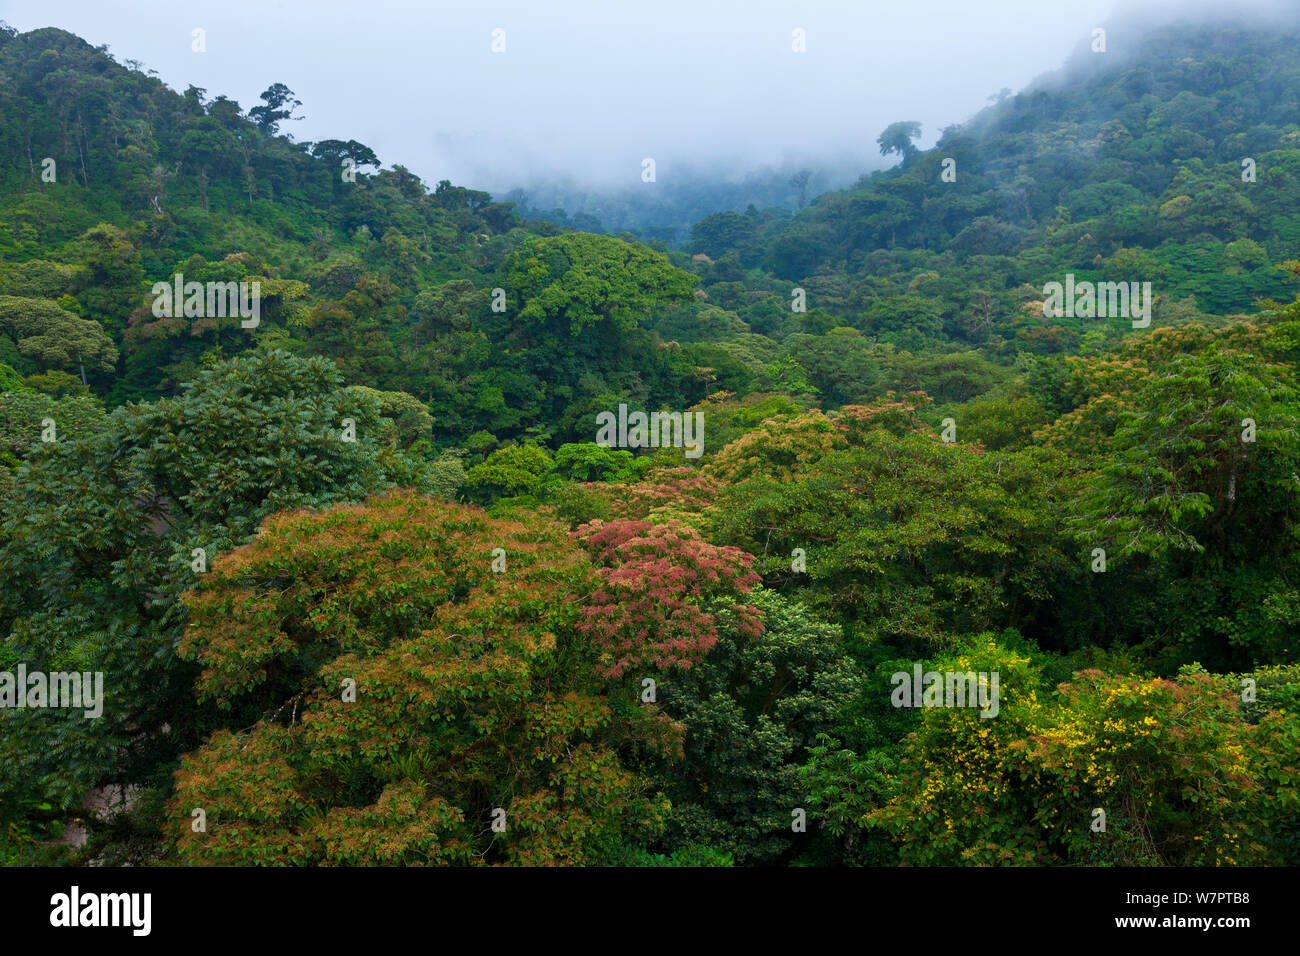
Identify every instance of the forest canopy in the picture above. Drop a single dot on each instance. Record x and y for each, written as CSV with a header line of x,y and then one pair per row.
x,y
366,588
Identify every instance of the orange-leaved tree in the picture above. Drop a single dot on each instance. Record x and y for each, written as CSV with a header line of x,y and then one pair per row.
x,y
409,694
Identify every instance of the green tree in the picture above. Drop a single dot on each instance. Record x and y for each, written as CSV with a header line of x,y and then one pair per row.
x,y
751,710
582,280
1206,457
101,538
591,462
509,472
278,104
52,336
897,138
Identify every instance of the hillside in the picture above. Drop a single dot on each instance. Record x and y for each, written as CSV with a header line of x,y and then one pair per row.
x,y
364,569
1124,165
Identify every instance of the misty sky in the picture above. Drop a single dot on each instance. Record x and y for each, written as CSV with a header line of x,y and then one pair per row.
x,y
587,88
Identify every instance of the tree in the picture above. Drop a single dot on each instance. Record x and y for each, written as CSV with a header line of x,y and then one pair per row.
x,y
52,336
408,416
476,733
907,540
897,138
800,182
108,286
723,232
452,306
23,411
656,583
583,280
100,540
352,330
458,197
588,461
507,472
752,709
212,147
1205,458
336,153
278,104
1164,759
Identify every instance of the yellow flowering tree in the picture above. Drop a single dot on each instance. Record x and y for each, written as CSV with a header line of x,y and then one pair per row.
x,y
1104,770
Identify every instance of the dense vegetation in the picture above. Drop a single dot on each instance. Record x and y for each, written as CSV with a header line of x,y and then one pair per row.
x,y
365,588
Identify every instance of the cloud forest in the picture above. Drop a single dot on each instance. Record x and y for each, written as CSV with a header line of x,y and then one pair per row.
x,y
947,519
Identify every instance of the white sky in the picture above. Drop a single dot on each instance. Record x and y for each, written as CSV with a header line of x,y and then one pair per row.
x,y
587,88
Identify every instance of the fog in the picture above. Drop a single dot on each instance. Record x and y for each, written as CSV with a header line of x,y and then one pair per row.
x,y
586,89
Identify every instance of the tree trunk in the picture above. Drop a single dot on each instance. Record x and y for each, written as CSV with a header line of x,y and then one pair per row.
x,y
81,128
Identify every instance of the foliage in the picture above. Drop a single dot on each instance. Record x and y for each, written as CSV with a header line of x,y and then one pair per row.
x,y
654,582
476,674
1164,759
99,539
909,460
